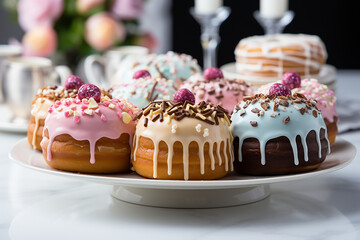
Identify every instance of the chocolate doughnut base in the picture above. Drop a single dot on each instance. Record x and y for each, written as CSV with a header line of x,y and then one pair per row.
x,y
68,154
279,158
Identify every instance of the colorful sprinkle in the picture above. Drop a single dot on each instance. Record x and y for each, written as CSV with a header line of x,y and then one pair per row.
x,y
126,117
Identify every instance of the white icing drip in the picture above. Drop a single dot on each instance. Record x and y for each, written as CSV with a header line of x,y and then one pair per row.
x,y
305,147
155,155
161,131
211,153
202,159
294,149
39,110
232,157
226,156
169,160
218,153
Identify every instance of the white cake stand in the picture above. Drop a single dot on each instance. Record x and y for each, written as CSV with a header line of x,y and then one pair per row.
x,y
229,191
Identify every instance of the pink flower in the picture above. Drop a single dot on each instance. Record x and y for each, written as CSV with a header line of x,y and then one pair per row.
x,y
149,41
103,31
84,6
40,41
38,12
128,9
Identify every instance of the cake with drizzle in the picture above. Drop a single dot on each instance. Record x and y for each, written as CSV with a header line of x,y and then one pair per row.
x,y
264,59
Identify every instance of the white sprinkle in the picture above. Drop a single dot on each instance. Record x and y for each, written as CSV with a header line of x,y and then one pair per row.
x,y
92,103
297,107
206,132
198,128
88,111
284,109
173,128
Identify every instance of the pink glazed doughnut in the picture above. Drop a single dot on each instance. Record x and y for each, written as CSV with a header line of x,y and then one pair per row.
x,y
88,136
220,91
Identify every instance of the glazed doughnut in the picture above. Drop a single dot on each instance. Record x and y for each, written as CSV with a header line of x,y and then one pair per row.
x,y
141,91
326,103
88,136
172,66
268,57
182,141
218,90
278,135
39,110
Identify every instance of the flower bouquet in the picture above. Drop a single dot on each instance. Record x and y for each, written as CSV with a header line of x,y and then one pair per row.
x,y
69,30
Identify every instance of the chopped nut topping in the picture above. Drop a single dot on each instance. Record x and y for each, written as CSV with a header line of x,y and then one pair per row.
x,y
203,111
253,123
286,120
255,110
242,112
302,111
264,106
314,113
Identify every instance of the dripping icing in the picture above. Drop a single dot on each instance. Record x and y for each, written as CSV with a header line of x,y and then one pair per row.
x,y
90,128
269,128
161,131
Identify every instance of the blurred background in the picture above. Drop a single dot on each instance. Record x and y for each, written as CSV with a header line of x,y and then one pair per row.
x,y
173,27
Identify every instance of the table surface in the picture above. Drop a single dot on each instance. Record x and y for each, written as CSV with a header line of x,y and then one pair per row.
x,y
34,205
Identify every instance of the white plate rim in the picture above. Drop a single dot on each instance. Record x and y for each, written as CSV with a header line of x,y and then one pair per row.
x,y
133,180
13,127
7,126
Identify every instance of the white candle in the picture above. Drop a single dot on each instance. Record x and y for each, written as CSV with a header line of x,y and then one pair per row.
x,y
273,8
207,6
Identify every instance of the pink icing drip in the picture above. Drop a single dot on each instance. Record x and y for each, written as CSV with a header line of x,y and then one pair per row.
x,y
90,128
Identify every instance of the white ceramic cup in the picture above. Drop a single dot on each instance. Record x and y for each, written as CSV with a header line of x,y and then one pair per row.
x,y
109,63
7,51
22,77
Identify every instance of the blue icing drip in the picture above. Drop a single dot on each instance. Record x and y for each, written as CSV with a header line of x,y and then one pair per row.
x,y
269,127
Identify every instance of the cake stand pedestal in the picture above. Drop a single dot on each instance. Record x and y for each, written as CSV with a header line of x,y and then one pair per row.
x,y
274,25
210,37
232,190
194,198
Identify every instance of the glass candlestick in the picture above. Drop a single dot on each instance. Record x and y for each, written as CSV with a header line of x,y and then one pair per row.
x,y
210,39
274,25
